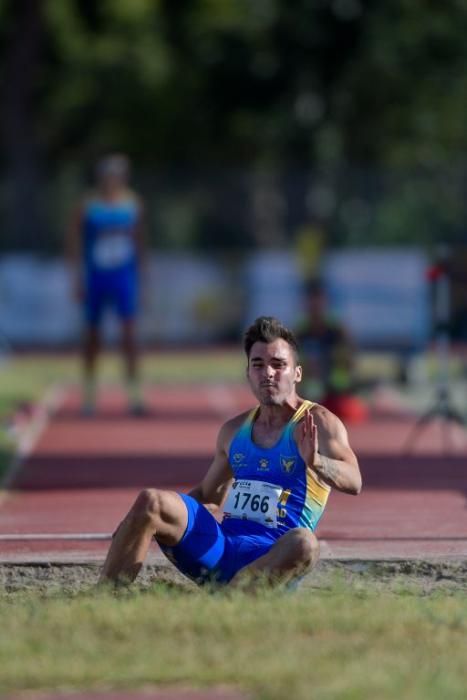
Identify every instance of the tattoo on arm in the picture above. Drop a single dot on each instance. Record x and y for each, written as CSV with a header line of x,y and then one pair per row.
x,y
328,468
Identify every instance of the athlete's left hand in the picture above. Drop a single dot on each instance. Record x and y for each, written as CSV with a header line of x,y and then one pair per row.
x,y
308,439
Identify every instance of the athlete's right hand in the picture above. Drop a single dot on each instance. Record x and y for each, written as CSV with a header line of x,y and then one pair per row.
x,y
308,439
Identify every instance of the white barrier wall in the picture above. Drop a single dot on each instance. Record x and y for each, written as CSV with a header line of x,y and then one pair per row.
x,y
184,299
382,296
273,284
35,301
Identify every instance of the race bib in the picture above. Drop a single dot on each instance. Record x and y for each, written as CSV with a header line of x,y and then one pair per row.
x,y
253,500
113,250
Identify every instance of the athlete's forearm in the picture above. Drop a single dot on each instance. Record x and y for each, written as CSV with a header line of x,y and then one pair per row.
x,y
196,493
213,499
344,476
206,499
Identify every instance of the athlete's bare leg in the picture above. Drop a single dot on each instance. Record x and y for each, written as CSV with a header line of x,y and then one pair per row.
x,y
294,554
130,358
160,514
91,344
129,349
90,350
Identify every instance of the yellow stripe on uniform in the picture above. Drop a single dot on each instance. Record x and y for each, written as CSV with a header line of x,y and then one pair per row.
x,y
316,491
300,412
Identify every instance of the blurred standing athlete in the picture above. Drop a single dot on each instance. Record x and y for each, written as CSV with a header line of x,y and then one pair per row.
x,y
105,247
271,475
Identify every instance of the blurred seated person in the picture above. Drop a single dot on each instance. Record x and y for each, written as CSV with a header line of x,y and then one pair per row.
x,y
328,356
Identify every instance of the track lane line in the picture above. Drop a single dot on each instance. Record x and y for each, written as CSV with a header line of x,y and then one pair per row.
x,y
30,435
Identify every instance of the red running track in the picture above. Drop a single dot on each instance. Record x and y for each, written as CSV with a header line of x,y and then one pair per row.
x,y
148,694
83,475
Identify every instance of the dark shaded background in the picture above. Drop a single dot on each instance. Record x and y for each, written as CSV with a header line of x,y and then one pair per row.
x,y
244,120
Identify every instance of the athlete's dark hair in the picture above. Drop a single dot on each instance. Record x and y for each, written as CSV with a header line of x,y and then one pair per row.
x,y
266,329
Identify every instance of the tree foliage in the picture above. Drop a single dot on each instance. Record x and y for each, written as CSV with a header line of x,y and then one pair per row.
x,y
321,85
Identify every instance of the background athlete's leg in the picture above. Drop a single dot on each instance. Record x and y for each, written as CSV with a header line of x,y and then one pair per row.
x,y
126,294
91,345
292,555
130,358
94,301
154,513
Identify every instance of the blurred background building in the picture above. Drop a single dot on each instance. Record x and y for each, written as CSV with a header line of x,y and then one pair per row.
x,y
272,141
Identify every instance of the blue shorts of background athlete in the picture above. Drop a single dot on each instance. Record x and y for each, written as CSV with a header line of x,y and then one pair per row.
x,y
209,551
115,289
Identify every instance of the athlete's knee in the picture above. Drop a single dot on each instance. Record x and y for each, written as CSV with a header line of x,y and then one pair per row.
x,y
304,546
147,509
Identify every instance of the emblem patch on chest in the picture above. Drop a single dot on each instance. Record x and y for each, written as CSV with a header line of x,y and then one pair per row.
x,y
288,464
238,461
263,465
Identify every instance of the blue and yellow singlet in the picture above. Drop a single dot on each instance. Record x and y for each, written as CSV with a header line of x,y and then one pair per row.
x,y
273,491
108,229
273,487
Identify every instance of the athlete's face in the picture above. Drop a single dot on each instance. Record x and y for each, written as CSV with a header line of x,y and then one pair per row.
x,y
111,182
273,372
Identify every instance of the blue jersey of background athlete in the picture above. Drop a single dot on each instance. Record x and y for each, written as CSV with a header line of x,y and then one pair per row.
x,y
109,233
110,256
301,498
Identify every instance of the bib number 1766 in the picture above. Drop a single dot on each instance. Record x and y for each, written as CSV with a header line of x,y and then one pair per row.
x,y
253,500
256,502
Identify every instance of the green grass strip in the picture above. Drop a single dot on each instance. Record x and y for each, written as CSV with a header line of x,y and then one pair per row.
x,y
311,644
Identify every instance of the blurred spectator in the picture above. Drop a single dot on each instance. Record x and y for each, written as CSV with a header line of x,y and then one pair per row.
x,y
328,356
457,271
106,251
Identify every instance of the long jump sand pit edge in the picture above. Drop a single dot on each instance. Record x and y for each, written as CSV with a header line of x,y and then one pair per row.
x,y
424,576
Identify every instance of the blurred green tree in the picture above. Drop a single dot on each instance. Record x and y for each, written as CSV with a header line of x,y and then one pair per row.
x,y
325,86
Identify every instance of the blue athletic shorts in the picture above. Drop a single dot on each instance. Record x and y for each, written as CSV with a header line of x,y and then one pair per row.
x,y
115,289
209,551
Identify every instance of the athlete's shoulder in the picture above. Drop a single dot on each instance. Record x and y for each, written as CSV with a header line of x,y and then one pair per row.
x,y
323,417
131,197
230,428
233,424
327,420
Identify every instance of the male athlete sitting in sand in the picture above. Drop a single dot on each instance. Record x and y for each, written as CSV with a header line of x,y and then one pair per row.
x,y
271,476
